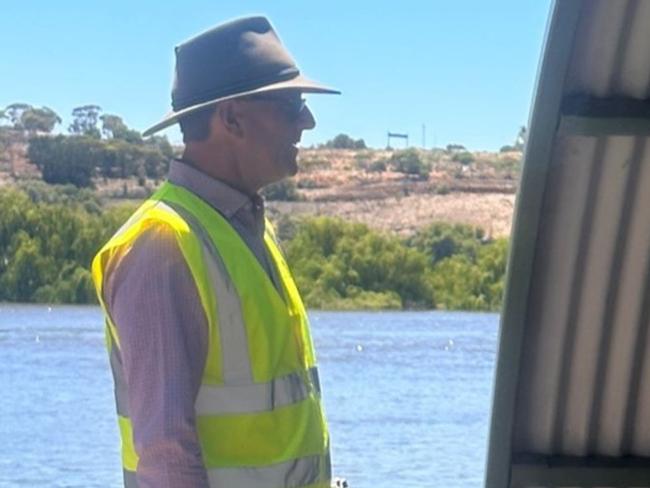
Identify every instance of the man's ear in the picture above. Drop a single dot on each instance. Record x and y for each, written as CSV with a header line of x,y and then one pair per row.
x,y
229,117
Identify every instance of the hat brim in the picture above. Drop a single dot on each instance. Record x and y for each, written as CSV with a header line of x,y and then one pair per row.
x,y
298,83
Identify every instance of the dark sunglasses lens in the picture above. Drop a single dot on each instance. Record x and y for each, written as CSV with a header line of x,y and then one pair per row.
x,y
298,107
293,107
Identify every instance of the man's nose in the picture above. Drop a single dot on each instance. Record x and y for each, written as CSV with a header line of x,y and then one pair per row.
x,y
306,120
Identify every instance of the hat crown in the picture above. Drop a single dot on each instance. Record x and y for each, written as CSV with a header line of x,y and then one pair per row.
x,y
239,58
231,58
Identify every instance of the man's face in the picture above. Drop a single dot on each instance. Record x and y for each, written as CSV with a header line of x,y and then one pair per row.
x,y
274,126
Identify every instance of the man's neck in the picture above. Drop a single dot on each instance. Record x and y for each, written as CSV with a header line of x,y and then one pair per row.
x,y
218,166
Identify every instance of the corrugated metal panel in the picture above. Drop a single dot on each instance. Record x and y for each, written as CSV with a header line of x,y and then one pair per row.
x,y
572,394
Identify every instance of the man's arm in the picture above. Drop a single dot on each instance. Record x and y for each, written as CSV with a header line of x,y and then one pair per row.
x,y
155,306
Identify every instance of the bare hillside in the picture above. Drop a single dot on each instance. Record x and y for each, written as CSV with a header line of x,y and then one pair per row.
x,y
365,185
350,184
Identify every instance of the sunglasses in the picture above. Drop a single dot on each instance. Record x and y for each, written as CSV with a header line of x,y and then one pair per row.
x,y
291,106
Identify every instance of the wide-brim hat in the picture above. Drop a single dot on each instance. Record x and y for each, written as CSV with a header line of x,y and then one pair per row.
x,y
236,59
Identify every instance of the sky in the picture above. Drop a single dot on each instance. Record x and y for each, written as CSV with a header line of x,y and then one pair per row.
x,y
441,71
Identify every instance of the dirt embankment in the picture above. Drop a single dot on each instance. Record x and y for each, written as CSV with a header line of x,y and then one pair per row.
x,y
14,164
350,184
405,215
363,186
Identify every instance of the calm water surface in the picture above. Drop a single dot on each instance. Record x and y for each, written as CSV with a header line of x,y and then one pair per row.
x,y
407,396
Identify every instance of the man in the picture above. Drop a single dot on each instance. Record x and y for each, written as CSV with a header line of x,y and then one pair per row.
x,y
209,343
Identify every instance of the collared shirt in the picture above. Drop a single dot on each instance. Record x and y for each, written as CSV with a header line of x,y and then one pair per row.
x,y
244,213
153,301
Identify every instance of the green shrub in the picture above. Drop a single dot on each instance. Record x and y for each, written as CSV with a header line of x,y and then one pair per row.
x,y
462,283
48,237
76,159
339,264
284,190
286,227
454,148
508,164
344,141
64,159
40,192
46,248
378,166
313,162
463,158
308,183
409,162
362,160
443,190
442,240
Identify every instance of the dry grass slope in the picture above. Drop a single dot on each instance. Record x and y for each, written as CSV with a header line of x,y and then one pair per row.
x,y
361,185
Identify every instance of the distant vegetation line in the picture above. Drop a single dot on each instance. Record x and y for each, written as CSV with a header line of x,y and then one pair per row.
x,y
49,234
96,146
50,229
99,147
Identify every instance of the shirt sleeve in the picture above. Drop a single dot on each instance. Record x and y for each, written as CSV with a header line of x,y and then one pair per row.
x,y
155,306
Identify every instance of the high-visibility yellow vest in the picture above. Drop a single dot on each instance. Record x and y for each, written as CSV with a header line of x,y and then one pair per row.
x,y
259,417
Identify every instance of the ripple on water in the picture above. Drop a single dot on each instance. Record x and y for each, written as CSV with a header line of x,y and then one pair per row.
x,y
407,397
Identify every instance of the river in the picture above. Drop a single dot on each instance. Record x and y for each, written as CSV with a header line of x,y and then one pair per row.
x,y
407,395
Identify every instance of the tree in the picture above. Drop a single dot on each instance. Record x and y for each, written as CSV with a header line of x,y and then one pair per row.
x,y
117,158
48,235
39,119
113,127
5,139
377,166
27,269
343,265
464,158
408,161
283,190
442,240
84,121
162,144
464,283
65,159
14,113
158,154
344,141
455,147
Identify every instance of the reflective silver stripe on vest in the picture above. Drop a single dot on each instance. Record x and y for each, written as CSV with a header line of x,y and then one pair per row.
x,y
232,331
130,480
256,397
238,394
290,474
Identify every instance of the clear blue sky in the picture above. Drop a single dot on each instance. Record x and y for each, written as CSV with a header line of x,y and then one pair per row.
x,y
464,68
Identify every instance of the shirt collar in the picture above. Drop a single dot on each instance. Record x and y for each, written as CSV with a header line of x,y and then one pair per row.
x,y
224,198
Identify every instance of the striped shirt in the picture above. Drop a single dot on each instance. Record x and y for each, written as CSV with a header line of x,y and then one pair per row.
x,y
153,301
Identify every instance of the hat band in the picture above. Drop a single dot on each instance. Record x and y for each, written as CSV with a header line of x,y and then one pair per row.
x,y
234,89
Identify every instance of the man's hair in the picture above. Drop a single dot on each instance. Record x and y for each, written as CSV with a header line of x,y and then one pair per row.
x,y
196,126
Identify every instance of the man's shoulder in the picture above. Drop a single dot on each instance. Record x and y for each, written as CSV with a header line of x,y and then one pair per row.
x,y
152,218
154,252
155,239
